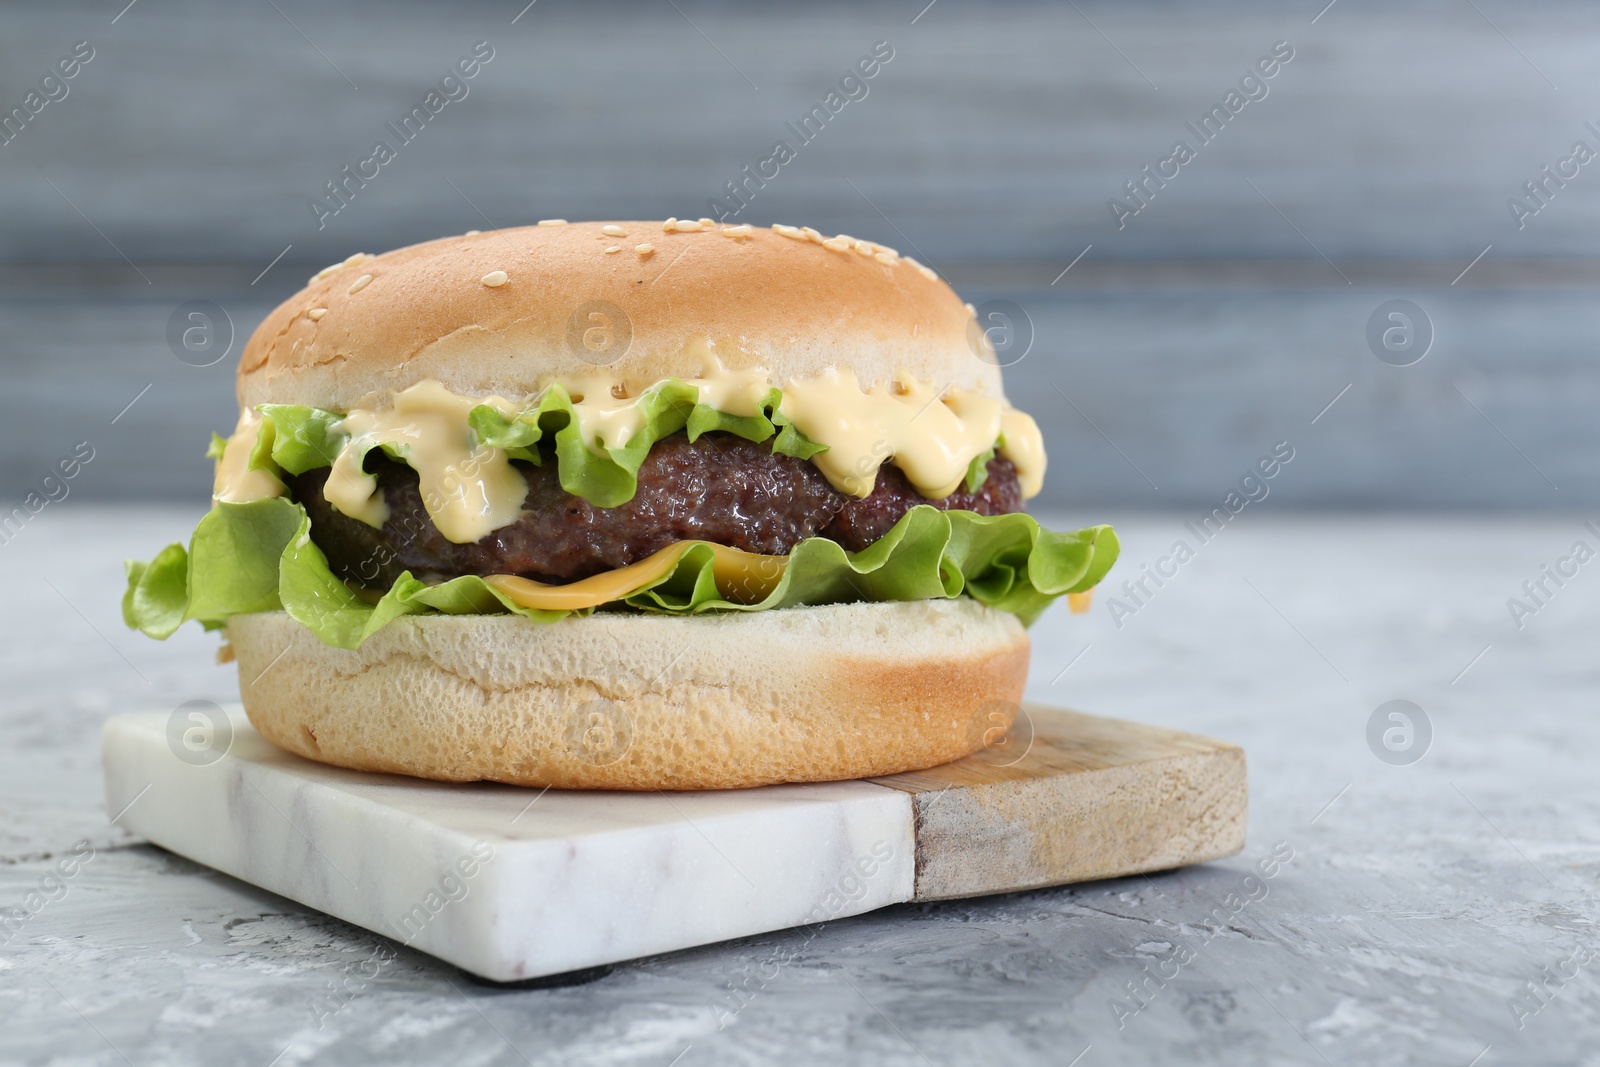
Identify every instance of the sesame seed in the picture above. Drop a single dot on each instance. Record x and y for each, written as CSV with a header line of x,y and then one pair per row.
x,y
360,283
744,229
837,244
791,231
644,249
927,271
332,267
886,259
315,314
706,224
552,222
613,248
811,235
681,226
495,279
613,230
866,248
472,233
971,310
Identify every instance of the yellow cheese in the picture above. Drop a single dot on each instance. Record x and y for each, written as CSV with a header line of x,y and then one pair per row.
x,y
469,491
742,577
745,577
606,420
733,392
1024,447
931,432
236,482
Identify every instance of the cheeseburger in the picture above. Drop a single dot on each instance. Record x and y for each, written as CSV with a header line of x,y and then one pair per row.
x,y
628,506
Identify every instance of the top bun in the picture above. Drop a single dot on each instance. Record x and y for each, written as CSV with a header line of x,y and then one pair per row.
x,y
374,325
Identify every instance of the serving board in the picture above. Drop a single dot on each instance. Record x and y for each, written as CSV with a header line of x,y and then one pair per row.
x,y
512,883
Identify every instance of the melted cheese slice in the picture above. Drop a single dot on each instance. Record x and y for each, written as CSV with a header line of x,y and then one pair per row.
x,y
742,577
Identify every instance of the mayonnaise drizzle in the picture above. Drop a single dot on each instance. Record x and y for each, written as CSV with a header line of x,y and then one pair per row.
x,y
236,482
606,421
1024,447
930,432
469,491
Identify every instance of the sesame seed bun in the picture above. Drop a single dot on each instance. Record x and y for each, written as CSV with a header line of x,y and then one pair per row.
x,y
505,312
627,701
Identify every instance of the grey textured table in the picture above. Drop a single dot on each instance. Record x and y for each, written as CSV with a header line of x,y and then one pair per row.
x,y
1419,902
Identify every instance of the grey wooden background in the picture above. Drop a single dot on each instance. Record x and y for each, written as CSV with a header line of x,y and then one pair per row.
x,y
1221,319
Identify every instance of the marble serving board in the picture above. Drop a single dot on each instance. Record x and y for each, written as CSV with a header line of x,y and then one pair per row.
x,y
512,883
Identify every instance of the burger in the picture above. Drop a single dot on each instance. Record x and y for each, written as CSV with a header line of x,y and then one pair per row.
x,y
624,505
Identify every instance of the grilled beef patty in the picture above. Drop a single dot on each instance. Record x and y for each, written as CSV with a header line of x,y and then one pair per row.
x,y
721,488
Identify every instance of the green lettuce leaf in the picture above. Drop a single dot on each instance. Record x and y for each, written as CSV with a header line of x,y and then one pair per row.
x,y
609,477
302,438
978,469
157,599
230,568
1006,561
260,557
299,438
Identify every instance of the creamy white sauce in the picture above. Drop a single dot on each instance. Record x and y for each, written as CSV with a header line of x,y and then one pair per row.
x,y
932,433
236,482
469,492
1024,447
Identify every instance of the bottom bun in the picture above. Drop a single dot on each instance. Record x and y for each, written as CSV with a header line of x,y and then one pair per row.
x,y
634,701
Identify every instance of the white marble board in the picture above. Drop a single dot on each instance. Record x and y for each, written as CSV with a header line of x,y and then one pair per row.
x,y
511,883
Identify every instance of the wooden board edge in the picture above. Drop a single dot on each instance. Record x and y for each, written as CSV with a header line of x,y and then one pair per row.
x,y
1033,833
1063,742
